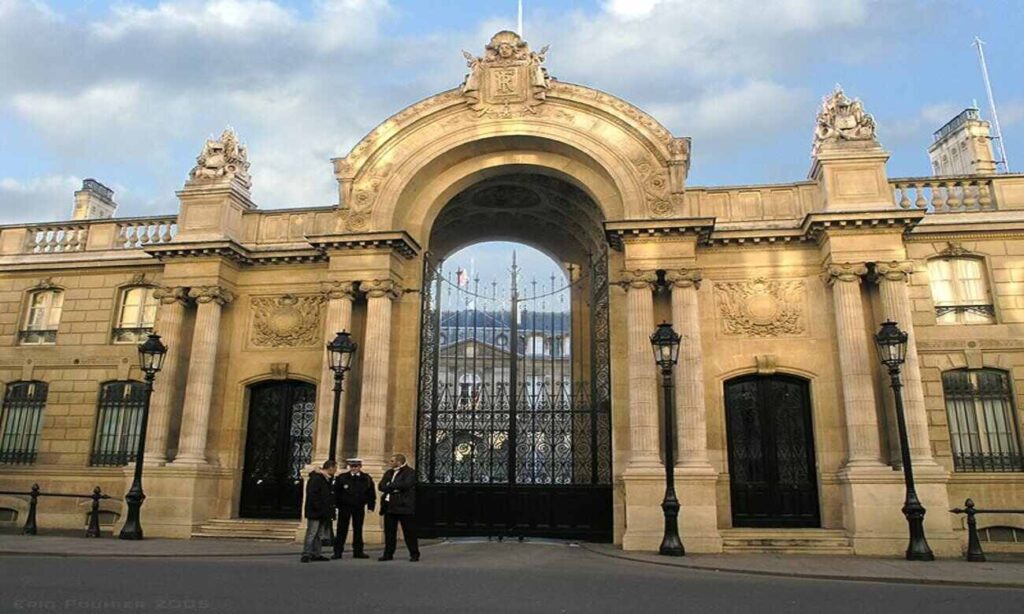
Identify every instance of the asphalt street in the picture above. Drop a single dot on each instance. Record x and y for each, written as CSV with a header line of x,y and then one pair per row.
x,y
452,577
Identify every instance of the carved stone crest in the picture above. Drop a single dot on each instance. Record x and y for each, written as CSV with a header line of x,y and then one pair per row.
x,y
221,159
285,321
508,81
842,119
761,307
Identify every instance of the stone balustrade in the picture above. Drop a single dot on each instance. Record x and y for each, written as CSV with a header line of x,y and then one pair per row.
x,y
56,238
944,194
138,233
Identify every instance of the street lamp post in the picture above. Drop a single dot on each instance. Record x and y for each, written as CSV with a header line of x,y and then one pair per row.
x,y
339,352
665,343
892,350
151,359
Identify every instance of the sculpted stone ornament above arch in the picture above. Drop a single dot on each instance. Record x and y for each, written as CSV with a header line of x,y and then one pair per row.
x,y
510,111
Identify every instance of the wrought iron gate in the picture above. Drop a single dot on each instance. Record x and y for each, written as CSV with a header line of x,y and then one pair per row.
x,y
514,433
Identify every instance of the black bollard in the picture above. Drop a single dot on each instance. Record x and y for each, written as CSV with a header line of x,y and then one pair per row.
x,y
30,522
974,551
94,514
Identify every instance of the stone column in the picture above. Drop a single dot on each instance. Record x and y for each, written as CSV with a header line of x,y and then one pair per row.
x,y
168,326
643,404
892,278
195,418
338,318
373,412
691,414
855,369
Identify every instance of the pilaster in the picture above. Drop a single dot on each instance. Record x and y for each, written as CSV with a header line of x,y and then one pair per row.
x,y
169,323
373,413
339,297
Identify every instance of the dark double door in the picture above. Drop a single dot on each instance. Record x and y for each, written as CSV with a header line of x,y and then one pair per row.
x,y
279,443
773,481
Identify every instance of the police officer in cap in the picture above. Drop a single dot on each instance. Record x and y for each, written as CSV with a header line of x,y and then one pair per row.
x,y
353,492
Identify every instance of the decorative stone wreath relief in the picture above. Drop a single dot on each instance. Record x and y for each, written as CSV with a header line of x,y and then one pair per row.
x,y
285,321
761,307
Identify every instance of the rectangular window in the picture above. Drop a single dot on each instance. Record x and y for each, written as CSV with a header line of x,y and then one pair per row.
x,y
42,317
983,428
22,422
960,291
118,423
136,316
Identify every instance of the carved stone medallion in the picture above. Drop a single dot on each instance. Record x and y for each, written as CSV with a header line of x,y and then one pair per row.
x,y
761,307
285,321
508,81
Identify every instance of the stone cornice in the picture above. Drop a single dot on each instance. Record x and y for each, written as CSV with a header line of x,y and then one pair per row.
x,y
625,231
399,241
816,225
232,251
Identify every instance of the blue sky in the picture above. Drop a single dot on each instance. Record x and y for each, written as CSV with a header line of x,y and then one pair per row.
x,y
127,92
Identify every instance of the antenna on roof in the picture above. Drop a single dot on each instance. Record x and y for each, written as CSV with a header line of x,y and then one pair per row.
x,y
992,105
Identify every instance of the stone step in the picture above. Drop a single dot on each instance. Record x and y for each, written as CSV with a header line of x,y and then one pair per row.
x,y
786,541
247,528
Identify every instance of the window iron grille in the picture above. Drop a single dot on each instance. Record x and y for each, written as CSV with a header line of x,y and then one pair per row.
x,y
118,422
22,422
983,427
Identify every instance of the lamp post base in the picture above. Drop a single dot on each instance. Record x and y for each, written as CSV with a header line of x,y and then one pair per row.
x,y
671,545
132,528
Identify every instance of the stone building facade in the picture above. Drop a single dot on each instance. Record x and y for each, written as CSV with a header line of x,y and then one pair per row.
x,y
784,428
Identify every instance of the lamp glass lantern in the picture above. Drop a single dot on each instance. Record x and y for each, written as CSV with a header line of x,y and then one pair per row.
x,y
151,354
340,352
665,343
892,344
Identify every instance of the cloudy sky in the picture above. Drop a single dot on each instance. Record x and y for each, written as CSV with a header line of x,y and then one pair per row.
x,y
126,92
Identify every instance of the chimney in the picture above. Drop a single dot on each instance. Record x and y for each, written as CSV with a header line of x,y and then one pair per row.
x,y
94,201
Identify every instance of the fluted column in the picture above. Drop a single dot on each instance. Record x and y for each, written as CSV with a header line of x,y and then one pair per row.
x,y
168,325
691,413
855,370
338,318
643,404
373,411
202,365
892,278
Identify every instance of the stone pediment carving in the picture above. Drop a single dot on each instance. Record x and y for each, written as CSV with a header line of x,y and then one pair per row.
x,y
761,307
222,159
285,321
842,119
509,80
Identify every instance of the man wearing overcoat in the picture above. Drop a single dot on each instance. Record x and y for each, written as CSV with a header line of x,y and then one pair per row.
x,y
398,506
354,492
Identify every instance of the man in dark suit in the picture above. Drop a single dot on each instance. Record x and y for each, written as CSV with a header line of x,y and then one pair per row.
x,y
353,493
319,509
398,506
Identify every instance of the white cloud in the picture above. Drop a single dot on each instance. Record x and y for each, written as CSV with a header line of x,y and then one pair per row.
x,y
218,19
38,199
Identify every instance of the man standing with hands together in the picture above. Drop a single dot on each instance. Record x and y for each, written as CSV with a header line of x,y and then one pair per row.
x,y
398,506
353,493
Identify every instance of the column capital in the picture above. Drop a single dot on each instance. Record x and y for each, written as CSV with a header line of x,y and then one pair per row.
x,y
638,279
895,270
377,288
847,272
168,295
207,294
684,278
339,290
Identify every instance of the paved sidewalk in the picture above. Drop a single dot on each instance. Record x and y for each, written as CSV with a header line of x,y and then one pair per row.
x,y
1001,570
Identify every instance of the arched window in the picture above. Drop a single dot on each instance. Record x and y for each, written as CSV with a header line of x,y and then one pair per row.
x,y
136,314
118,422
42,317
22,421
983,428
960,291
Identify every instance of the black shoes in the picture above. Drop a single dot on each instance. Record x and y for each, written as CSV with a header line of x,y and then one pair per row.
x,y
360,555
304,559
335,556
414,558
316,559
386,558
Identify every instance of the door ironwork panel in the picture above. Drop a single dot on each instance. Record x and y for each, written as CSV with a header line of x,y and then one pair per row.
x,y
773,482
514,406
279,443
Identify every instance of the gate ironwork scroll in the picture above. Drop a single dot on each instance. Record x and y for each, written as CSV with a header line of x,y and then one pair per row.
x,y
514,422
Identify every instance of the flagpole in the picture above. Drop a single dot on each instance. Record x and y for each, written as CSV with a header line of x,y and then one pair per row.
x,y
520,30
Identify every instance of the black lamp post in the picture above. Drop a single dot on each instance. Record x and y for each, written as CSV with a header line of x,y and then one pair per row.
x,y
339,352
151,359
892,350
665,343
